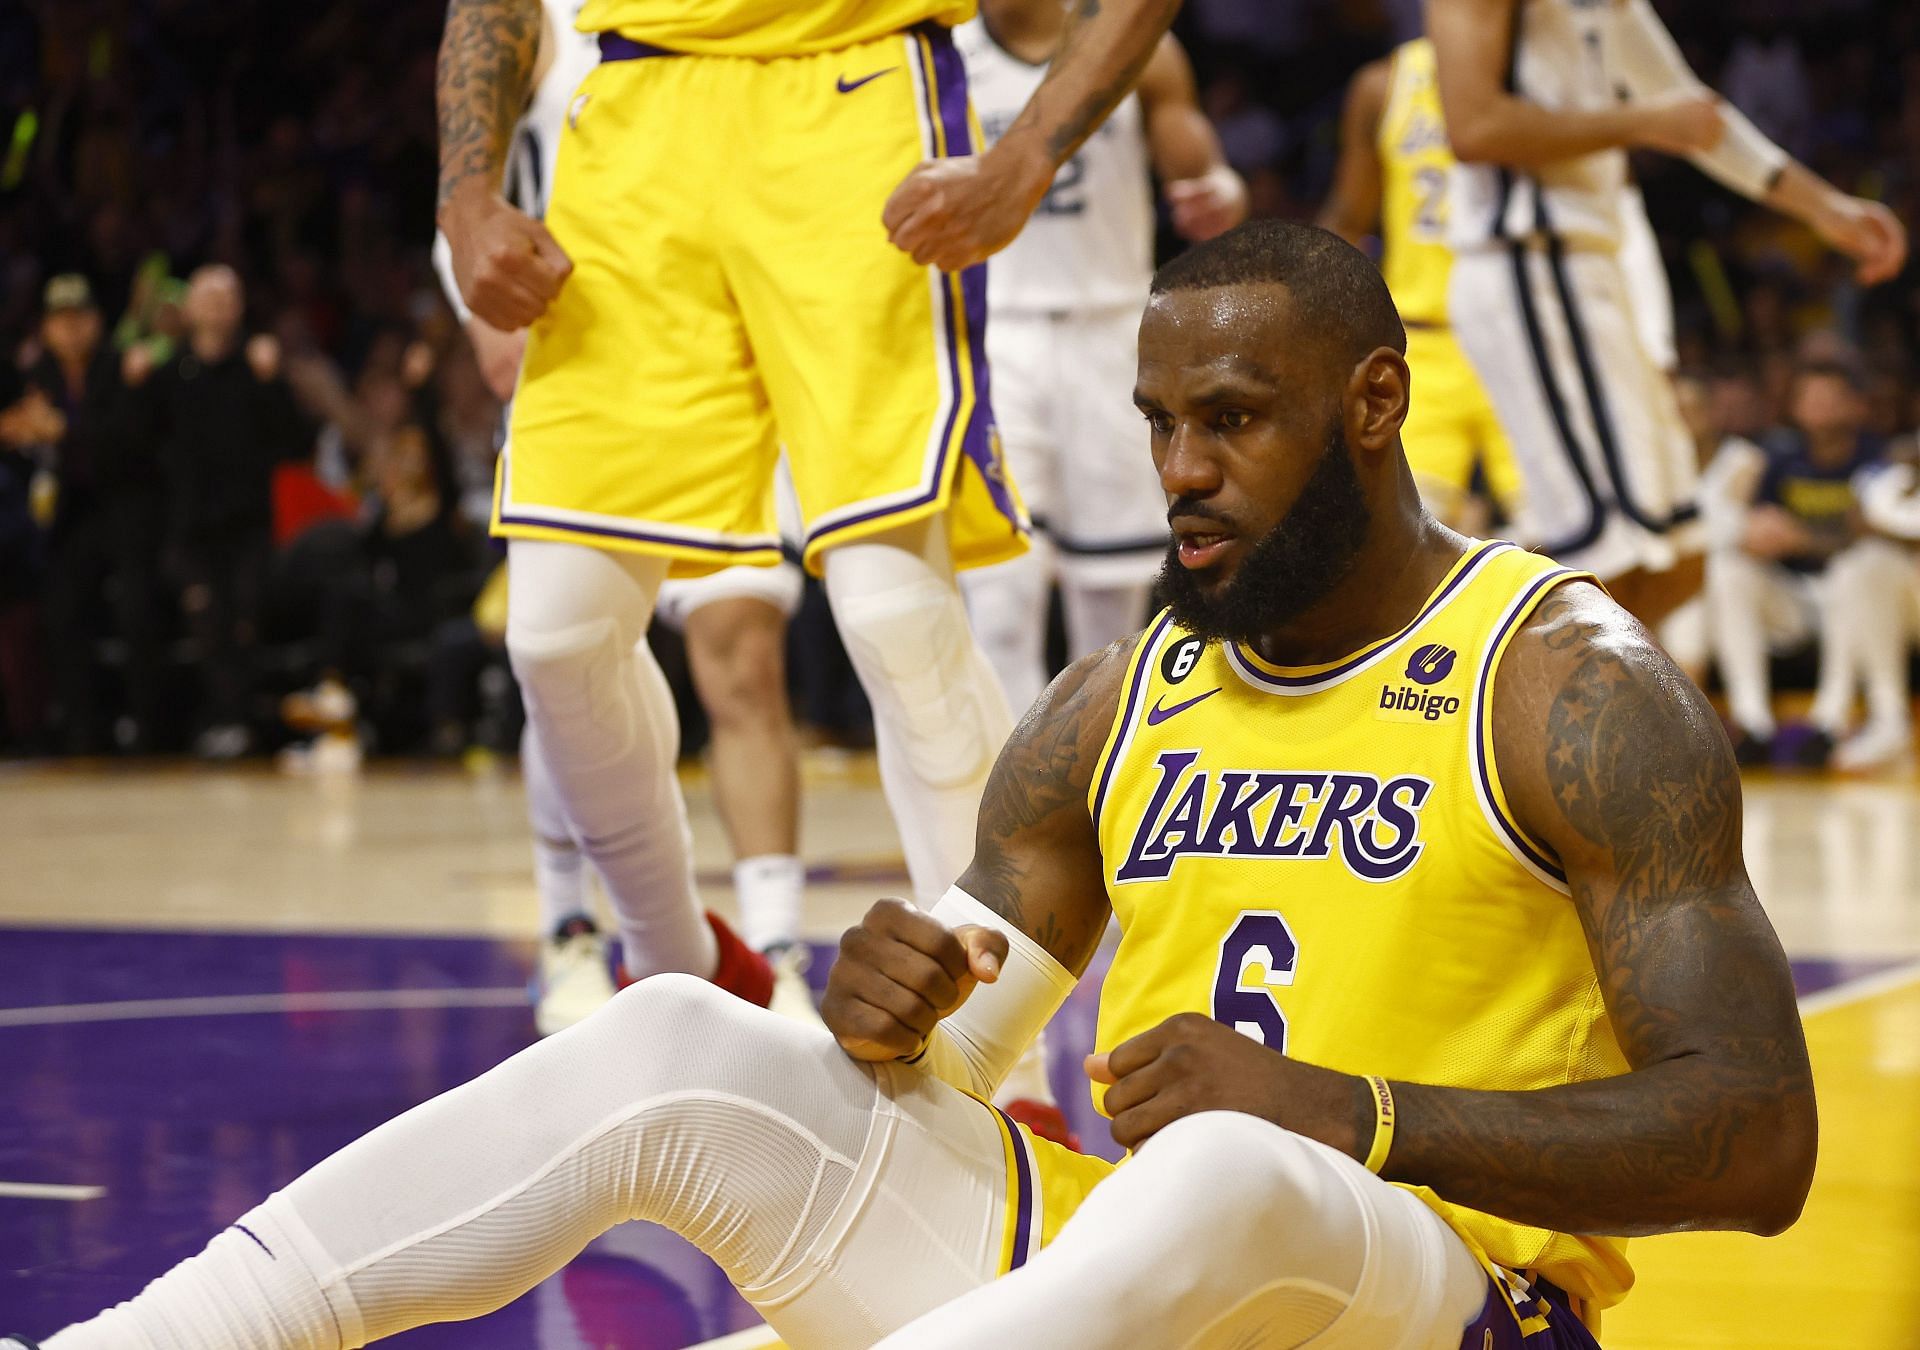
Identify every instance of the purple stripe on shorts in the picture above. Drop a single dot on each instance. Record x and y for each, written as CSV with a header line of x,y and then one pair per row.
x,y
945,76
615,47
950,101
502,490
1023,1187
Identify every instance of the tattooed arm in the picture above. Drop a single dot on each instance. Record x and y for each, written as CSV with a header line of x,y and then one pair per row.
x,y
1036,864
506,264
953,213
1613,758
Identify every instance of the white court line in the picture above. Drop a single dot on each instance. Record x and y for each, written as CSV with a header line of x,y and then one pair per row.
x,y
1855,991
231,1005
35,1190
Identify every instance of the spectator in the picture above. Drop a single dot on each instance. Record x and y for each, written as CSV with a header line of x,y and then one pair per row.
x,y
106,537
417,566
1725,459
1795,567
25,423
219,418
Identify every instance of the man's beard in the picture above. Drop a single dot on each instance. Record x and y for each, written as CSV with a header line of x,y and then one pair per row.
x,y
1291,568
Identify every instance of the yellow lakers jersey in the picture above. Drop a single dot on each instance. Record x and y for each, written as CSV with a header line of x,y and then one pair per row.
x,y
765,27
1324,859
1415,163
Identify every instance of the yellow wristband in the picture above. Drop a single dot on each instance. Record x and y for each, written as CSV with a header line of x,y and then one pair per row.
x,y
1382,1123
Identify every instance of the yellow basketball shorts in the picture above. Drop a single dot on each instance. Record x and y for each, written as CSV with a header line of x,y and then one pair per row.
x,y
733,289
1451,425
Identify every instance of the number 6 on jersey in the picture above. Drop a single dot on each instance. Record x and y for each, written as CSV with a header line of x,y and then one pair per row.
x,y
1256,957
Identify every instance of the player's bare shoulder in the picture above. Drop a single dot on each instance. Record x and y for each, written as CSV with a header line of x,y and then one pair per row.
x,y
1036,856
1049,760
1597,732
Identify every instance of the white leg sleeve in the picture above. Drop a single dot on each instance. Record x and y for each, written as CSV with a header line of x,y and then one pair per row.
x,y
938,712
1097,615
843,1201
1863,625
1739,597
606,723
1227,1231
1007,604
559,867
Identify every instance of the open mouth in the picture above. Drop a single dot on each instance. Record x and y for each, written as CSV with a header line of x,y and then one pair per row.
x,y
1202,548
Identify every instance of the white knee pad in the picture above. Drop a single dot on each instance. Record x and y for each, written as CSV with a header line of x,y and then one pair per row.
x,y
914,652
573,679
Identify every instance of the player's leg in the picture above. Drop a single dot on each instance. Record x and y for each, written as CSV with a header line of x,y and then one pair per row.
x,y
1440,434
938,714
1866,600
1606,464
604,715
559,867
574,979
1008,601
1225,1230
626,453
842,1200
1007,605
1110,524
1750,604
736,646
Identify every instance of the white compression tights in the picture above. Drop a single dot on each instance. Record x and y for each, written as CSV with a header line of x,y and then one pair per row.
x,y
1008,605
604,716
939,716
847,1203
559,867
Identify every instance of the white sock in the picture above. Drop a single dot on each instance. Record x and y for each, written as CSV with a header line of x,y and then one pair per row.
x,y
769,889
605,719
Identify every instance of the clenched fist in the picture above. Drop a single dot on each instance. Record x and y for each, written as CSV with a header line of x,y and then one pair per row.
x,y
508,267
1189,1064
900,971
953,213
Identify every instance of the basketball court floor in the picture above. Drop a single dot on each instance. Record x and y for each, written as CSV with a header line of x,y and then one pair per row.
x,y
211,979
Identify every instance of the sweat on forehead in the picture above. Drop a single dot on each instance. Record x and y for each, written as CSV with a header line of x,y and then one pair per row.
x,y
1335,290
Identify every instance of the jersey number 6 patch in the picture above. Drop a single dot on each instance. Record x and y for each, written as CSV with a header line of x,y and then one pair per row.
x,y
1257,956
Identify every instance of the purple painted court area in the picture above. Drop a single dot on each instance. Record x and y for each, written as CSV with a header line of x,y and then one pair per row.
x,y
163,1068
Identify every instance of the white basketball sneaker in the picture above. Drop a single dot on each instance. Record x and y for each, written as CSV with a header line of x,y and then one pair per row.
x,y
792,995
574,978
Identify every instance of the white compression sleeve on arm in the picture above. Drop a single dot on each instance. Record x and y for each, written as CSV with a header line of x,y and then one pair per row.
x,y
1652,66
975,1047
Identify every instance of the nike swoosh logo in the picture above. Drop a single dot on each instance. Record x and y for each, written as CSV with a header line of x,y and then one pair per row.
x,y
846,87
1157,714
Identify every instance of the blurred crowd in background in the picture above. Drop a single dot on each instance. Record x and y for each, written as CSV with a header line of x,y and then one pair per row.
x,y
243,441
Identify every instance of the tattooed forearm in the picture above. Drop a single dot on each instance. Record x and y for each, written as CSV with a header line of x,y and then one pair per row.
x,y
1715,1125
1036,860
485,72
1107,45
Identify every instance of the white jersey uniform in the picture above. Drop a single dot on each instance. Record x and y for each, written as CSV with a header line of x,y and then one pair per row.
x,y
529,180
1555,302
1065,300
